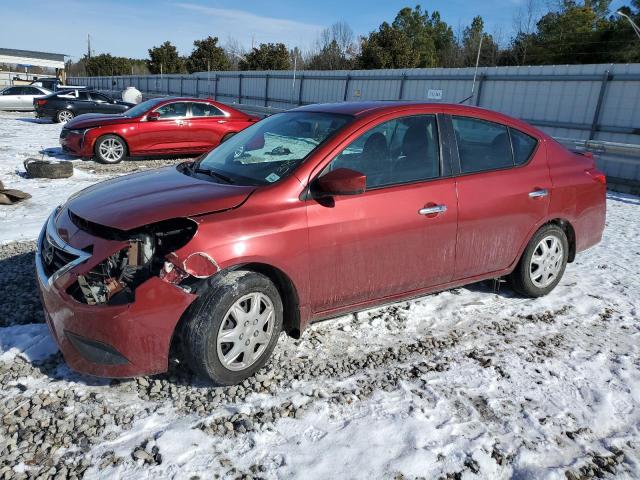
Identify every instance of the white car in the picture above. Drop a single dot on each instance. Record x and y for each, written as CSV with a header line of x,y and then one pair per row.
x,y
21,97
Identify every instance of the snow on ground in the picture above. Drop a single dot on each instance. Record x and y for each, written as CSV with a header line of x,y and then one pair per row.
x,y
467,383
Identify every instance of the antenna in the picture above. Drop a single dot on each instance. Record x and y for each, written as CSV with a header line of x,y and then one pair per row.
x,y
475,73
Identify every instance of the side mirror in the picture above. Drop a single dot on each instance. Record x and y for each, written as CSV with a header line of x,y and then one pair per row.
x,y
153,116
342,181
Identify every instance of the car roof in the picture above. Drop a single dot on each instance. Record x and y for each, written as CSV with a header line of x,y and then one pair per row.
x,y
377,106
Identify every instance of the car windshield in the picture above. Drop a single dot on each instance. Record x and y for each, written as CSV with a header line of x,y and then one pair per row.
x,y
142,108
272,148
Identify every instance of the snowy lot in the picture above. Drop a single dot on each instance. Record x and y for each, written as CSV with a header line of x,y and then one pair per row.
x,y
463,384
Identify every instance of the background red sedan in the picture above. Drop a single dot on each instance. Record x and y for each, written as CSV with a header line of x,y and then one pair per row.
x,y
160,126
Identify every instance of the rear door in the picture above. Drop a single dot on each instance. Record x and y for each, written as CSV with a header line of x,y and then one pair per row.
x,y
397,237
168,134
83,103
103,104
503,192
27,97
207,125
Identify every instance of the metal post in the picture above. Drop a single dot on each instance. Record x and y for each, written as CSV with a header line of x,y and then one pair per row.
x,y
215,87
346,88
168,85
240,88
266,90
479,94
404,78
197,87
300,90
181,86
596,114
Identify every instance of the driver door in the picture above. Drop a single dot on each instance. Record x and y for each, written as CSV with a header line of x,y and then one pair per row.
x,y
168,134
383,242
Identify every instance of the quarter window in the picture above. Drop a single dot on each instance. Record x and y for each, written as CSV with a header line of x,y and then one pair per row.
x,y
482,145
205,110
523,146
398,151
173,110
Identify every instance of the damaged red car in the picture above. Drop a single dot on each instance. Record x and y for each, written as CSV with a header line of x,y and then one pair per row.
x,y
156,127
307,215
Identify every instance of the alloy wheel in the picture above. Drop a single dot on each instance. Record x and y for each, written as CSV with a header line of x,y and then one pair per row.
x,y
64,116
246,331
111,150
546,261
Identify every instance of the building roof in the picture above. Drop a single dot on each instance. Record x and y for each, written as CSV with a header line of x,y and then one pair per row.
x,y
29,57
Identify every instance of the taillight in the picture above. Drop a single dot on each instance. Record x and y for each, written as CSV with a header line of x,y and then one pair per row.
x,y
597,175
41,102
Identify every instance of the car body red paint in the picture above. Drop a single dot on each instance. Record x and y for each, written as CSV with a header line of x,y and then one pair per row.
x,y
354,252
187,134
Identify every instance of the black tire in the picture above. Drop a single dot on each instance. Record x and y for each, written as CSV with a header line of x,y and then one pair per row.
x,y
521,280
105,158
46,169
203,323
227,136
63,116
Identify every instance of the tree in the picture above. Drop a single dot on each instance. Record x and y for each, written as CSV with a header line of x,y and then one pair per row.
x,y
207,55
106,64
386,48
335,49
267,56
414,39
471,41
165,59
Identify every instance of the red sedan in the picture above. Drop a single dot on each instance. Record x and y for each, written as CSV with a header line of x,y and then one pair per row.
x,y
307,215
160,126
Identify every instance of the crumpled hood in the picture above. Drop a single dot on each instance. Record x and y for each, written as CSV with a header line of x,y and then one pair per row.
x,y
89,120
148,197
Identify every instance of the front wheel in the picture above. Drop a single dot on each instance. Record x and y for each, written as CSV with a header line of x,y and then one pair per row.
x,y
110,149
543,262
233,327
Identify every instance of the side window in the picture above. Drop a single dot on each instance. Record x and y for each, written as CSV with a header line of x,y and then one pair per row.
x,y
98,97
523,146
12,91
173,110
31,91
83,96
205,110
398,151
482,145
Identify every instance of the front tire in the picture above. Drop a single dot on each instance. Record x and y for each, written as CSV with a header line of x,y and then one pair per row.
x,y
63,116
233,327
110,149
543,262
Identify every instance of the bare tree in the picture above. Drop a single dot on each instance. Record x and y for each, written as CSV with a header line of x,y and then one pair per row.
x,y
235,52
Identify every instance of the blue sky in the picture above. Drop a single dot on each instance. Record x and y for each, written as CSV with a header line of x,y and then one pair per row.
x,y
129,28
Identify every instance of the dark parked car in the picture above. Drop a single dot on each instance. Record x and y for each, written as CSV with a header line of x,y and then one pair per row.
x,y
306,215
65,105
159,126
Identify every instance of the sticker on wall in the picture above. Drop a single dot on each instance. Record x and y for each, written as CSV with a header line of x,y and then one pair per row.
x,y
357,93
433,94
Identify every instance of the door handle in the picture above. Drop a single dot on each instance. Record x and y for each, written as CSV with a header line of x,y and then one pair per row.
x,y
222,121
181,122
541,192
434,209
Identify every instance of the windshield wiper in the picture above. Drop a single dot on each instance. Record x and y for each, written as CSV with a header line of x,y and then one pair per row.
x,y
214,174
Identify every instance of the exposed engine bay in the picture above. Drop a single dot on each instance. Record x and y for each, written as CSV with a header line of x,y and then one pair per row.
x,y
114,280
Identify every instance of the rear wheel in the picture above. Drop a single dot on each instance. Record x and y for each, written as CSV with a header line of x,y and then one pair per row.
x,y
543,262
63,116
110,149
233,327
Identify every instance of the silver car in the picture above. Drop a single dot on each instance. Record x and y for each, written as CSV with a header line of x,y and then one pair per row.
x,y
20,97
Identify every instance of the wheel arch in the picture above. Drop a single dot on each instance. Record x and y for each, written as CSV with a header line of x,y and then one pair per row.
x,y
288,294
570,232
